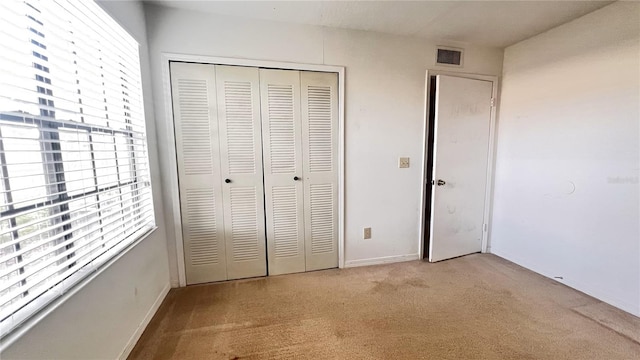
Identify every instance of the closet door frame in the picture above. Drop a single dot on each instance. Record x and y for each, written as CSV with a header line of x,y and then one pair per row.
x,y
166,135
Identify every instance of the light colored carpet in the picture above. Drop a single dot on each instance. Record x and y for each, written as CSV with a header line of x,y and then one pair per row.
x,y
474,307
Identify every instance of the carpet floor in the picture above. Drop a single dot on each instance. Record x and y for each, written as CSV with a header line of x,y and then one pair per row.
x,y
474,307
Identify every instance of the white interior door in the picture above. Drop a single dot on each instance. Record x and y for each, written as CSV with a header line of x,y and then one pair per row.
x,y
282,153
238,91
320,168
461,148
196,123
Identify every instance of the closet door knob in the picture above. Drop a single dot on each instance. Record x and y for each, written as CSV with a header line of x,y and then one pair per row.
x,y
296,178
227,180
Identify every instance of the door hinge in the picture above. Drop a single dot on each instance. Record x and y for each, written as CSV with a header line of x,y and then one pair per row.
x,y
493,102
485,227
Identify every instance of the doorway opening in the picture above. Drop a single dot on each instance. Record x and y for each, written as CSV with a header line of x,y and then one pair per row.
x,y
431,118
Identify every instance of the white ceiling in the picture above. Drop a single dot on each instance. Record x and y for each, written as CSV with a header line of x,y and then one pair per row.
x,y
491,23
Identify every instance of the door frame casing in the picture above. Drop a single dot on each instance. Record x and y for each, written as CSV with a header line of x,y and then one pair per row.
x,y
488,198
170,182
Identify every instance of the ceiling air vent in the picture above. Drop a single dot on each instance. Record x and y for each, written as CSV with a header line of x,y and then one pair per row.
x,y
449,56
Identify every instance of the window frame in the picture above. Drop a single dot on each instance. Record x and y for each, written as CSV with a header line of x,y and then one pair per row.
x,y
141,202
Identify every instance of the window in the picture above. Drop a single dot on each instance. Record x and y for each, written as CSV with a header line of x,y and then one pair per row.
x,y
40,56
74,181
40,67
36,32
43,79
38,44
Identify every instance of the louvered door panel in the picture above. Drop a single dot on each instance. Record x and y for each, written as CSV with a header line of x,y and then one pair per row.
x,y
282,153
323,228
320,146
195,119
238,94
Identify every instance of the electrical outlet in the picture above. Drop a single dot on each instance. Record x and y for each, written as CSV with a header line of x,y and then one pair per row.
x,y
367,233
403,162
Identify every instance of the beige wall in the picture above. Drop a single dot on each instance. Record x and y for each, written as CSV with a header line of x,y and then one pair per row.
x,y
566,189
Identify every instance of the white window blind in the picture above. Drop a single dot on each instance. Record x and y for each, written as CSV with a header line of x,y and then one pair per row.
x,y
74,175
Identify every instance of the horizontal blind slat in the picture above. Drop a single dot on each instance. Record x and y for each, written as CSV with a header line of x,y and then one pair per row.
x,y
70,124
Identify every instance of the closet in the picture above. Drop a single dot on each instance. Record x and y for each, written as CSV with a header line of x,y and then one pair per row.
x,y
257,169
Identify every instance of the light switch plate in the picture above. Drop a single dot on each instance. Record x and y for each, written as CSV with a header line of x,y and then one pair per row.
x,y
367,233
403,162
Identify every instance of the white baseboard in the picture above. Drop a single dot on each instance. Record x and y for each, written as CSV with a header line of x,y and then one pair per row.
x,y
381,260
143,325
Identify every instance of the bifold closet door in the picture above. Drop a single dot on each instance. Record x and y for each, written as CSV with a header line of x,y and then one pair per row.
x,y
282,153
238,92
193,88
320,168
229,121
300,134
